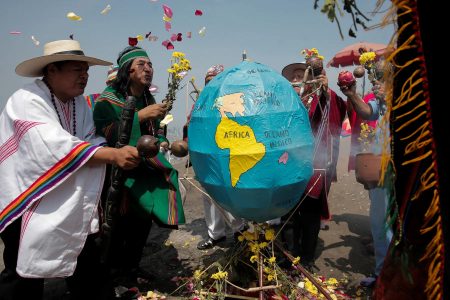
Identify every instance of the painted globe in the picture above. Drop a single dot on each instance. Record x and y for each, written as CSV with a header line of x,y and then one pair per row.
x,y
250,142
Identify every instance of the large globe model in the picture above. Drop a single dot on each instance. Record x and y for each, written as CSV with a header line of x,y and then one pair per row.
x,y
250,142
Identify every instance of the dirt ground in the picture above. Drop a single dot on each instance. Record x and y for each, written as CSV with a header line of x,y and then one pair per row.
x,y
341,252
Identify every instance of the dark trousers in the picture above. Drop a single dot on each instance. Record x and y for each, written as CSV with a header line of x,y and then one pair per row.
x,y
129,241
12,286
306,228
89,281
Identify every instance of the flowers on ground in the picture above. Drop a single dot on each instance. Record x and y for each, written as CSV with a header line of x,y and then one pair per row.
x,y
237,274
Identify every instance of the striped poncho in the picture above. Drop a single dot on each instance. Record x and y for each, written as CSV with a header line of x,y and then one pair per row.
x,y
45,179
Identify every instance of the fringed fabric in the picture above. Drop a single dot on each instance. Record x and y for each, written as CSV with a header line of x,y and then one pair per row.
x,y
418,245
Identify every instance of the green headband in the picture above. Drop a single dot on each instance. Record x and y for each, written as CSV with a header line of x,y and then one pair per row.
x,y
132,55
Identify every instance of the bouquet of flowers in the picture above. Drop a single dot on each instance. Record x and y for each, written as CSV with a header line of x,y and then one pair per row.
x,y
314,60
177,71
366,137
368,61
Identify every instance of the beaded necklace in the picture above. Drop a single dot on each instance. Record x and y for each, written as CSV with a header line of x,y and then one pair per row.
x,y
74,124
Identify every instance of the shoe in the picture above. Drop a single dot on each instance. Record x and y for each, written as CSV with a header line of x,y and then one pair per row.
x,y
368,281
209,243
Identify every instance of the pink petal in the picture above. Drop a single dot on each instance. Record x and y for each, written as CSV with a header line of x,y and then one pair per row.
x,y
179,38
173,38
167,11
189,34
168,26
198,12
165,43
15,32
283,158
170,46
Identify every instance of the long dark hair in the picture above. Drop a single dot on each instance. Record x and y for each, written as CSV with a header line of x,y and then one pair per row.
x,y
121,83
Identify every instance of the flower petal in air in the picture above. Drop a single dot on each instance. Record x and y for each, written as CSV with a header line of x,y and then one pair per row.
x,y
166,18
202,31
167,119
198,12
132,41
189,34
153,88
106,10
168,26
72,16
15,32
140,37
167,11
35,41
168,45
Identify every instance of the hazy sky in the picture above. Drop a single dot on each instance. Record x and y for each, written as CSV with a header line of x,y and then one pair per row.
x,y
272,32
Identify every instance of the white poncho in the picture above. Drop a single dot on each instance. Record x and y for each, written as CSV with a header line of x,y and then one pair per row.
x,y
45,178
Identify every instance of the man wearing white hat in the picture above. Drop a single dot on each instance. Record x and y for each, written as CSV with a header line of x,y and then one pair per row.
x,y
55,167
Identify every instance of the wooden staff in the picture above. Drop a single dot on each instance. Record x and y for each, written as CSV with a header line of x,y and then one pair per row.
x,y
114,194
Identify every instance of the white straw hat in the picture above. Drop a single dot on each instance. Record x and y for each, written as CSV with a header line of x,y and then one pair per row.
x,y
53,52
288,71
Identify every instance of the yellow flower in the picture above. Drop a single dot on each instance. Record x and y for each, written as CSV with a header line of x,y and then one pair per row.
x,y
296,261
313,52
311,288
253,247
332,281
220,275
272,260
263,245
249,236
253,258
197,274
177,72
270,234
367,59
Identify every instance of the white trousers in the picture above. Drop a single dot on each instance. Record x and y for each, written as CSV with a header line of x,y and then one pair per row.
x,y
216,222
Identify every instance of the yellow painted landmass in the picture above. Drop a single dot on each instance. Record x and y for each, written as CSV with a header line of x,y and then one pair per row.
x,y
245,151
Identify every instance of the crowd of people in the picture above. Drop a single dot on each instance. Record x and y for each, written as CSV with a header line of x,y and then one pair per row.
x,y
62,152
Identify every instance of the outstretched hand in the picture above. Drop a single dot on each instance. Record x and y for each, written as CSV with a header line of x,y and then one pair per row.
x,y
154,111
127,157
323,79
349,91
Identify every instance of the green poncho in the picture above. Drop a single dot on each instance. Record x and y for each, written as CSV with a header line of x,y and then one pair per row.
x,y
153,185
